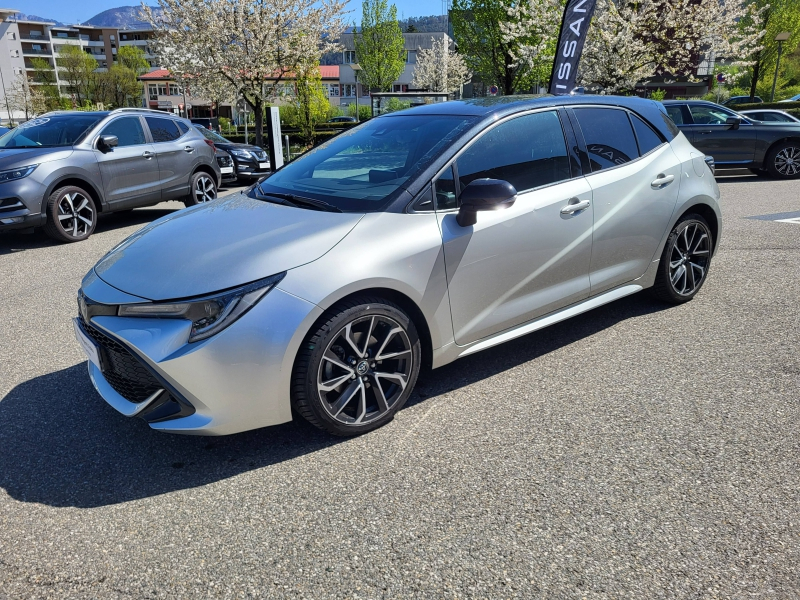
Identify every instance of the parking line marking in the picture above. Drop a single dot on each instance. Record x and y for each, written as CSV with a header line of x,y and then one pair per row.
x,y
795,220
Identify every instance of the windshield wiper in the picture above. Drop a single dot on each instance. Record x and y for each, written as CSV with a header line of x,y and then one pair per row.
x,y
293,199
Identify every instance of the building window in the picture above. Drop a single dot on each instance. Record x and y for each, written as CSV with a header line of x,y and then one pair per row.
x,y
348,90
174,90
162,89
411,57
349,57
15,53
396,88
124,36
333,89
17,71
152,91
11,35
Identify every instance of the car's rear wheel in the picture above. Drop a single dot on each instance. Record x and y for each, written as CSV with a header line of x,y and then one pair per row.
x,y
783,161
358,368
203,189
71,214
684,263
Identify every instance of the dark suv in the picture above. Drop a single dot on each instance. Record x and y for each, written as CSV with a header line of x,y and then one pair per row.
x,y
58,171
737,142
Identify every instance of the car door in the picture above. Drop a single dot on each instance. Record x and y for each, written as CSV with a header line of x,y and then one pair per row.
x,y
634,196
177,156
522,262
129,170
712,136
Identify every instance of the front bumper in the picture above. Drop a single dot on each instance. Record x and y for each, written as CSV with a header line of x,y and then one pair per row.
x,y
251,168
21,204
234,381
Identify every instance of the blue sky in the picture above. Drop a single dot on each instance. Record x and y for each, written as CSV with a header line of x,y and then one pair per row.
x,y
77,12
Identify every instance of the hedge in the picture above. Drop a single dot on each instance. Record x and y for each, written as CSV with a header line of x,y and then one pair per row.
x,y
787,106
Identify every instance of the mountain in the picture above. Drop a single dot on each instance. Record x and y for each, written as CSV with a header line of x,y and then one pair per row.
x,y
120,17
24,17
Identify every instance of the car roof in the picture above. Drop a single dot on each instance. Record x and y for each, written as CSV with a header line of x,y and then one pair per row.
x,y
499,106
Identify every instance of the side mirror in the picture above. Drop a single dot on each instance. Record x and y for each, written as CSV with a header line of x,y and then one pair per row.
x,y
734,122
108,142
484,194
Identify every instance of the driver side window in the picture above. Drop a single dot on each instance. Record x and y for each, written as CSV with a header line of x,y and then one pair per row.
x,y
128,130
708,115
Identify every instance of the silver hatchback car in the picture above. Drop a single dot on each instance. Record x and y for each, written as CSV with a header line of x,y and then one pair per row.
x,y
403,244
59,170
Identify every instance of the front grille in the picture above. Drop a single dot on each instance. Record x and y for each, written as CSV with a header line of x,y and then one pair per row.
x,y
123,371
224,161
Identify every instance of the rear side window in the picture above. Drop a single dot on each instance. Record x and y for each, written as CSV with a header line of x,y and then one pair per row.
x,y
676,114
128,130
183,127
527,151
163,130
647,138
608,135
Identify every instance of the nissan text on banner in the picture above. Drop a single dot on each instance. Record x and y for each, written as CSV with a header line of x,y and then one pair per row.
x,y
577,16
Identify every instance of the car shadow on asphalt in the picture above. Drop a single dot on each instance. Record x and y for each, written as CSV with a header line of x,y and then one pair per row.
x,y
11,242
62,445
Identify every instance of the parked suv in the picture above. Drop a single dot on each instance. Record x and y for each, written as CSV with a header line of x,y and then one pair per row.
x,y
60,170
250,162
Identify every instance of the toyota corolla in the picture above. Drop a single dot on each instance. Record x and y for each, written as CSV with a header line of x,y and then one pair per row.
x,y
405,243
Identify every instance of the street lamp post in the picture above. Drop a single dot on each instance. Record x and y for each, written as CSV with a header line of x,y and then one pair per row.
x,y
780,38
356,68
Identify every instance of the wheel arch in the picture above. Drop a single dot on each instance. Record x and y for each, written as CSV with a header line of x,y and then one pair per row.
x,y
208,170
772,145
77,181
404,301
709,214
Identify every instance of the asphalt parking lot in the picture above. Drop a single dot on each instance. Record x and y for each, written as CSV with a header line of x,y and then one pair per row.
x,y
637,451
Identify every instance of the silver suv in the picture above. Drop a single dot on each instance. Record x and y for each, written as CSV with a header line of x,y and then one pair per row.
x,y
60,170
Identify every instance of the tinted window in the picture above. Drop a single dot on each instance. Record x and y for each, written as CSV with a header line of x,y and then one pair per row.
x,y
709,115
609,137
163,130
647,138
445,188
128,130
57,130
675,113
210,135
366,167
182,126
528,152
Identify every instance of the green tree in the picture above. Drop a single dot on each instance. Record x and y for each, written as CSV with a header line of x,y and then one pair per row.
x,y
312,103
77,70
117,87
45,75
380,47
132,57
491,54
775,17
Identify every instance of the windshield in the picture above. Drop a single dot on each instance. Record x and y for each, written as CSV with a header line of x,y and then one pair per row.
x,y
210,135
49,132
363,169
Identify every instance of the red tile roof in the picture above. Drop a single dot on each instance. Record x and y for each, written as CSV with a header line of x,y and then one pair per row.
x,y
329,71
157,74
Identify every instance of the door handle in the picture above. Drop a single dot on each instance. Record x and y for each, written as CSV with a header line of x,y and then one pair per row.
x,y
189,149
706,132
148,155
575,205
662,181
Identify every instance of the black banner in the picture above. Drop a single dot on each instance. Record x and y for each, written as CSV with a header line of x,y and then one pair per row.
x,y
577,16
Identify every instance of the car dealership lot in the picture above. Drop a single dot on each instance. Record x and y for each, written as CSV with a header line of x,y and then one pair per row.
x,y
636,451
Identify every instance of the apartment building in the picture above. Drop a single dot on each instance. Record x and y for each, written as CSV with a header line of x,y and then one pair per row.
x,y
352,92
21,41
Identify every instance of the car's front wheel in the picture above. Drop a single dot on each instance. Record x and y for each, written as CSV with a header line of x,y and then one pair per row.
x,y
685,261
357,368
71,214
783,161
203,189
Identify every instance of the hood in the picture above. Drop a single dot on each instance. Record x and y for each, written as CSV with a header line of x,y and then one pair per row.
x,y
238,146
220,245
21,157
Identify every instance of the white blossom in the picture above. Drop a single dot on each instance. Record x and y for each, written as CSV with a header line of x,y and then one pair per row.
x,y
439,68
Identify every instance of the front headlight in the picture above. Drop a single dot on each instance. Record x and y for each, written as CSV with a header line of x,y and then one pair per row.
x,y
12,174
241,153
211,314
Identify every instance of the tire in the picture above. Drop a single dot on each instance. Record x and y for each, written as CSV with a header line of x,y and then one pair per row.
x,y
348,384
783,160
71,214
202,188
690,241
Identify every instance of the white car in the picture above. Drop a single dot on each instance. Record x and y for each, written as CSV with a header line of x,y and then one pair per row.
x,y
770,116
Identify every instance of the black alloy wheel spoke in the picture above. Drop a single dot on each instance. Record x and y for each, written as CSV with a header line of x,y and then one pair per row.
x,y
688,262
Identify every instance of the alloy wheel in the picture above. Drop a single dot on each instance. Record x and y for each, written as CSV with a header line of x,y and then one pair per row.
x,y
365,369
75,215
787,161
204,189
689,258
